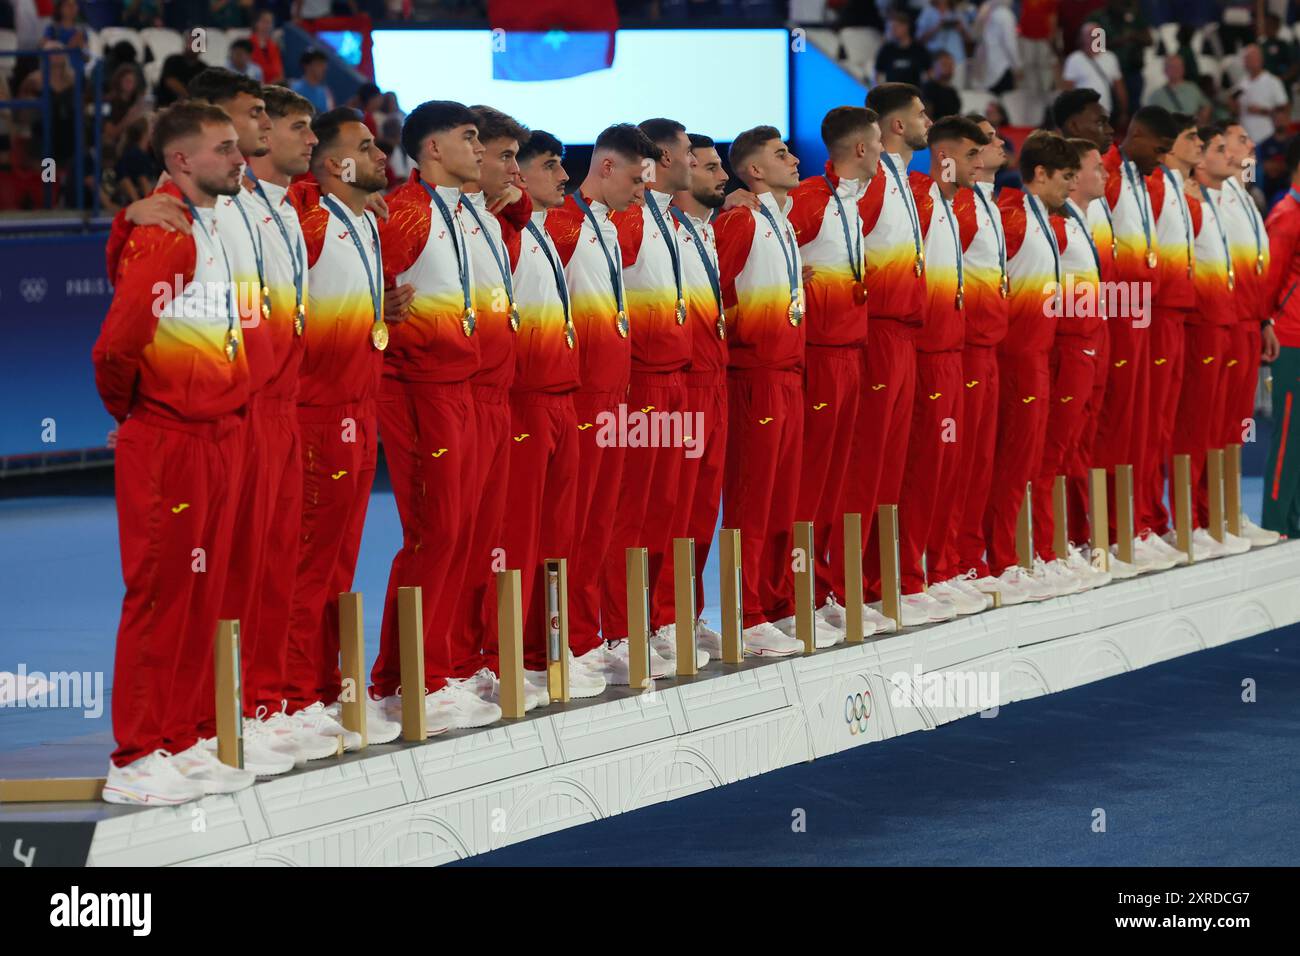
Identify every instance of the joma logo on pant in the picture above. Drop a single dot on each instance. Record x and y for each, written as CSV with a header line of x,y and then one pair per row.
x,y
75,909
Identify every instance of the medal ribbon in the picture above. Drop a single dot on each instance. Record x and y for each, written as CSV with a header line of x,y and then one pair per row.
x,y
615,271
295,252
1051,238
376,287
1227,256
714,281
230,275
453,226
502,259
791,273
913,216
670,237
855,253
994,221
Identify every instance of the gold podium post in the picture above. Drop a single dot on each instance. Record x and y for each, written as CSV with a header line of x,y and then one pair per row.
x,y
684,605
230,697
1025,529
853,626
733,651
1214,486
1232,487
410,636
556,571
1124,513
891,597
805,583
1099,516
352,661
1060,518
510,643
1183,505
638,619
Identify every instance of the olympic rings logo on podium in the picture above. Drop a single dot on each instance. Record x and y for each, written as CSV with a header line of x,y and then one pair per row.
x,y
857,711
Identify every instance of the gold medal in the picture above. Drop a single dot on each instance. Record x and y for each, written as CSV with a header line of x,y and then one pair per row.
x,y
919,266
681,311
1232,279
795,312
621,320
1114,250
960,298
232,344
514,318
1151,258
467,322
722,325
1005,286
859,293
1259,264
379,335
570,338
299,319
266,303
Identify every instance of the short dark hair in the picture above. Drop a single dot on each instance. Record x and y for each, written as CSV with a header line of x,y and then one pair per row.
x,y
242,44
747,144
186,118
1157,120
978,118
662,132
1082,147
312,56
1210,131
327,127
1292,156
1049,150
282,101
216,84
887,98
1184,122
539,143
494,124
700,141
435,116
845,121
628,141
1071,103
950,129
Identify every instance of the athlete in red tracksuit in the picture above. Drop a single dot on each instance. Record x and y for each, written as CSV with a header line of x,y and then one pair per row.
x,y
896,301
543,476
699,484
827,221
762,294
172,370
1035,239
661,349
426,409
587,242
927,506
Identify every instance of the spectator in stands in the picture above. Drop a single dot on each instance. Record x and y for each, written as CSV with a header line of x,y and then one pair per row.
x,y
942,28
1179,95
1094,67
311,84
1261,97
177,71
901,59
228,13
939,95
1280,58
997,52
1127,36
390,141
240,59
1039,44
1191,69
388,109
1236,23
141,14
126,100
65,111
313,9
996,114
65,27
368,101
1274,180
266,52
136,170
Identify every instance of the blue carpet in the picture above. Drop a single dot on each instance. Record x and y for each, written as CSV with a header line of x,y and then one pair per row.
x,y
1185,772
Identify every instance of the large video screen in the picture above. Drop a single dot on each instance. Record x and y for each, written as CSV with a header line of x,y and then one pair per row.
x,y
716,82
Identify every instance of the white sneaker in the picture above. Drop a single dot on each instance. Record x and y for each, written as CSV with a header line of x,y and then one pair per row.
x,y
315,719
664,641
708,640
1162,546
874,614
309,744
1122,570
1014,586
149,781
461,706
832,615
962,602
966,584
921,608
284,742
1257,536
583,682
1170,538
537,692
765,640
1082,569
1234,544
1148,558
436,719
202,766
824,635
1205,547
612,663
1057,578
262,756
379,729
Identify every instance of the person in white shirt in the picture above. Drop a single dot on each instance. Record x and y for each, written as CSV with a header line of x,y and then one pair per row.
x,y
1096,68
1260,96
997,57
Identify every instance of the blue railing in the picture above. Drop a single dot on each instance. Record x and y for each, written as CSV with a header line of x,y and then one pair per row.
x,y
46,105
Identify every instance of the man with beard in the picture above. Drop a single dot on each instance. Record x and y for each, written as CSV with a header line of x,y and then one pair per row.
x,y
173,371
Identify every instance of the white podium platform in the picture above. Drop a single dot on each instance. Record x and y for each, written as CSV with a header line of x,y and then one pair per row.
x,y
469,792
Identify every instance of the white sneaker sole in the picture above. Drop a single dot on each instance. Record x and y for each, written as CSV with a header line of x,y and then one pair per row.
x,y
140,798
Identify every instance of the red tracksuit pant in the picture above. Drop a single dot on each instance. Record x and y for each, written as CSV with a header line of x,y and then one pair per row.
x,y
475,614
1082,460
1073,372
340,448
962,545
1023,404
699,490
1122,430
539,520
600,475
1165,365
760,486
648,493
176,487
832,387
429,439
1242,371
1200,406
878,453
931,451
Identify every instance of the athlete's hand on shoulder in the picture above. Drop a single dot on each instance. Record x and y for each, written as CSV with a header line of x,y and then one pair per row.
x,y
376,203
159,209
807,272
511,196
111,440
740,197
397,303
1271,347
